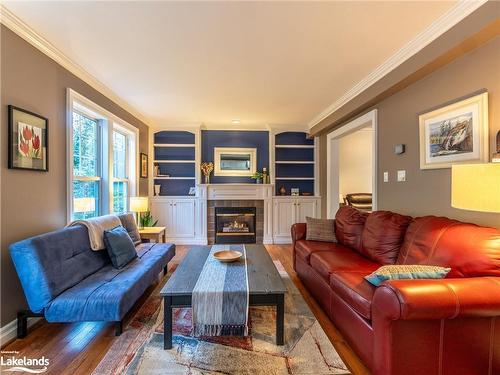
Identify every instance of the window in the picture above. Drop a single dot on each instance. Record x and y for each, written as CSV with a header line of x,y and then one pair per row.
x,y
86,171
120,180
102,153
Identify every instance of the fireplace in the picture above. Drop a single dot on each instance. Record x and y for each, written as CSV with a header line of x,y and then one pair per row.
x,y
235,225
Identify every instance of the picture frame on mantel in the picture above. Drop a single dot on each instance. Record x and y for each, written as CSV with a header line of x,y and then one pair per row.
x,y
455,133
28,140
144,165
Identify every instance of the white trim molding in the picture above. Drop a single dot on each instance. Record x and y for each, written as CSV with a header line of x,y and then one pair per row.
x,y
14,23
453,16
9,331
332,159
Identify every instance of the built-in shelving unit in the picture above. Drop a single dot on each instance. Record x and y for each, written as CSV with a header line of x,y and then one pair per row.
x,y
174,161
294,162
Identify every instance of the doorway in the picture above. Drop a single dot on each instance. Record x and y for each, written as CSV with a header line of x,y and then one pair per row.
x,y
352,161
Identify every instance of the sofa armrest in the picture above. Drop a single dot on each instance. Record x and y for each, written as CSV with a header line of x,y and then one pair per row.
x,y
298,232
437,299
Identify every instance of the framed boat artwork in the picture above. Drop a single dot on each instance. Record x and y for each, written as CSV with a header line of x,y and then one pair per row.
x,y
455,133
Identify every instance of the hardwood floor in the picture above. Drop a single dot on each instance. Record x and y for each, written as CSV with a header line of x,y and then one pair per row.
x,y
79,347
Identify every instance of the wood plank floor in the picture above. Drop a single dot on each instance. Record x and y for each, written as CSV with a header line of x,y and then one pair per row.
x,y
79,347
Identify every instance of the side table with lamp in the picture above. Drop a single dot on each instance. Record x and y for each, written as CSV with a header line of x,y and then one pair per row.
x,y
141,205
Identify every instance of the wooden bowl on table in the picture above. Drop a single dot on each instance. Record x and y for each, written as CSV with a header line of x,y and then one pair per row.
x,y
227,256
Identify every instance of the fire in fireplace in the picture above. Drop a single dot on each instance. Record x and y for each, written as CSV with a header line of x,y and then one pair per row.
x,y
235,225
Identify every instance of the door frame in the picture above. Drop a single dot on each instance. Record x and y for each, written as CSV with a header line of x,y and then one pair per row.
x,y
332,154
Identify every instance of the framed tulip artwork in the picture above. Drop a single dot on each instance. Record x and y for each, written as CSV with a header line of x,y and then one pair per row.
x,y
28,140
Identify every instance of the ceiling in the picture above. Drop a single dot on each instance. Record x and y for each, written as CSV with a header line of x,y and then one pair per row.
x,y
212,62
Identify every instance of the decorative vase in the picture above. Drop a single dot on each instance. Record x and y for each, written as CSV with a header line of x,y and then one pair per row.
x,y
282,190
258,180
207,179
157,190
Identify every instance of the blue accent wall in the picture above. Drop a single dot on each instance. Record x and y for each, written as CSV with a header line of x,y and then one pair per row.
x,y
235,138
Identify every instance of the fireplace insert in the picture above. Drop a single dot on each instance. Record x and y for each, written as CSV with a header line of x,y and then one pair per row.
x,y
235,225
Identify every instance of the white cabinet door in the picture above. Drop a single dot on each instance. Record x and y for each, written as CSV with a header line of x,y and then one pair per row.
x,y
183,218
162,211
284,216
306,208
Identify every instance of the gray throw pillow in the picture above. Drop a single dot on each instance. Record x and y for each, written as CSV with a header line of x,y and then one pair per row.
x,y
120,247
128,222
320,230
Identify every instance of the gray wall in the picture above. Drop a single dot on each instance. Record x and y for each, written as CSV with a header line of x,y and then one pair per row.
x,y
35,202
427,192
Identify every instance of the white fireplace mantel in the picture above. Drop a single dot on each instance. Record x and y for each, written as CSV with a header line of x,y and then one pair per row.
x,y
235,191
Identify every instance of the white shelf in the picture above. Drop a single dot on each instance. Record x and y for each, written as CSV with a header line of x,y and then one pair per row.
x,y
293,162
295,178
294,146
173,161
173,178
174,145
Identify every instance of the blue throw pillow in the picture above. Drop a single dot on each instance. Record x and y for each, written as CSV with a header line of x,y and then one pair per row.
x,y
403,271
120,247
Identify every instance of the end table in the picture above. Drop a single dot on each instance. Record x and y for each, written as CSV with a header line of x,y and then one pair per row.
x,y
153,233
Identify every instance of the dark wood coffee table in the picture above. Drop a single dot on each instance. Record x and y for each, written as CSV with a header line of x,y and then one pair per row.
x,y
264,282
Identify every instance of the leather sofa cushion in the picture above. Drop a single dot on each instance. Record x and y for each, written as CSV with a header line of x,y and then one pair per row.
x,y
304,248
342,259
469,250
383,235
354,290
349,224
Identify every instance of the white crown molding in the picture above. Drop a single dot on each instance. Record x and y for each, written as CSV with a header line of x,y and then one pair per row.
x,y
14,23
449,19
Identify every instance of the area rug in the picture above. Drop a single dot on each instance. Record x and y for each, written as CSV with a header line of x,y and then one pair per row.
x,y
307,349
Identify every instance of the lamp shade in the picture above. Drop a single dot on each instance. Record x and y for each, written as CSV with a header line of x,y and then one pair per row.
x,y
83,204
139,204
476,187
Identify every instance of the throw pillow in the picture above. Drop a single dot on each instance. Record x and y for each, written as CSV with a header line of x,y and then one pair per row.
x,y
128,222
398,272
320,230
120,247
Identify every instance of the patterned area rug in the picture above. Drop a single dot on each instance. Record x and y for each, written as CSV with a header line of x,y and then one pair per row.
x,y
307,349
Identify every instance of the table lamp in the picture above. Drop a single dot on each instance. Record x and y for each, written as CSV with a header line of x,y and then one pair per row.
x,y
86,204
139,205
476,187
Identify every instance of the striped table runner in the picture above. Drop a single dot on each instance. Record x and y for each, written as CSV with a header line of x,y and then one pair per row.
x,y
220,297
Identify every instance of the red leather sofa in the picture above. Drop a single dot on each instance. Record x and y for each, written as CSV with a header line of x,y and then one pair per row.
x,y
447,326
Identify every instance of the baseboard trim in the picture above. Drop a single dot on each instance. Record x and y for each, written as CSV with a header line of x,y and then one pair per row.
x,y
9,331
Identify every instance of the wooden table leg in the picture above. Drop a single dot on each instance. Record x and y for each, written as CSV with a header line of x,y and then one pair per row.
x,y
280,319
164,236
167,322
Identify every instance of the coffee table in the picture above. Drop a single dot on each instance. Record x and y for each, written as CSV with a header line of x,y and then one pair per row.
x,y
264,283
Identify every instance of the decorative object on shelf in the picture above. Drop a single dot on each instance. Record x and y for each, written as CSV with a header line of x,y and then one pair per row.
x,y
156,169
257,176
28,140
147,220
306,194
496,156
139,205
476,187
206,169
144,165
294,192
157,189
399,149
192,190
265,176
455,133
282,190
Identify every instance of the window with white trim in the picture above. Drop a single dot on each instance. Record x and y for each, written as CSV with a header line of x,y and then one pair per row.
x,y
102,160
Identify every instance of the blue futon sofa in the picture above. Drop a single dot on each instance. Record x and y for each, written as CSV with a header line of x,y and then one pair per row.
x,y
65,281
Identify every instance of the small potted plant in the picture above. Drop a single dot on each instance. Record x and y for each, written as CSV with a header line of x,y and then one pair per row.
x,y
147,220
257,176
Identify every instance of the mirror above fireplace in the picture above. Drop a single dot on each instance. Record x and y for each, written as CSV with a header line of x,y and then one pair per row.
x,y
232,161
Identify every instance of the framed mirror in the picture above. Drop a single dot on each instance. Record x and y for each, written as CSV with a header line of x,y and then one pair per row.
x,y
234,161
